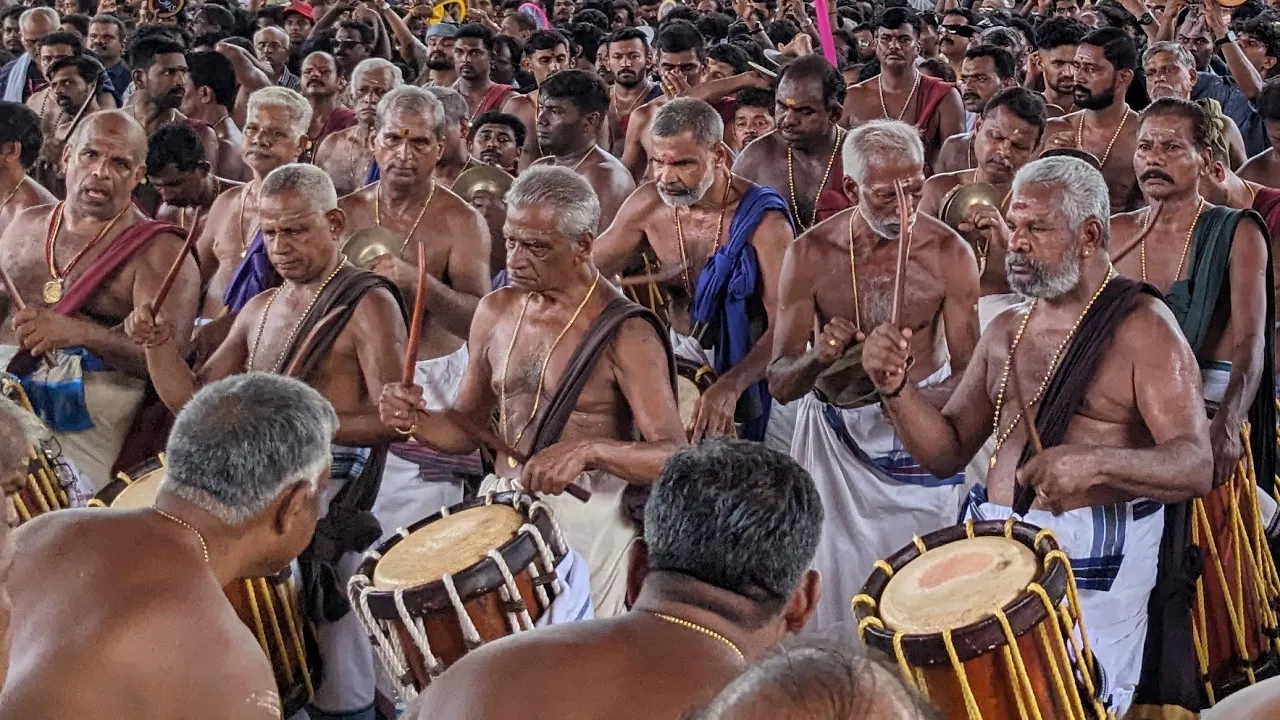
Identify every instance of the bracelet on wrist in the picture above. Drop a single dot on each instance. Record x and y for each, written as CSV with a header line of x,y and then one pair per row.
x,y
896,391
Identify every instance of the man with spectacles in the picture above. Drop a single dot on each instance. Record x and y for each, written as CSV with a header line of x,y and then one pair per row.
x,y
352,44
955,40
271,45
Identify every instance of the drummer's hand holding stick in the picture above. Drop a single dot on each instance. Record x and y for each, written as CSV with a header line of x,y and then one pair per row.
x,y
838,334
554,469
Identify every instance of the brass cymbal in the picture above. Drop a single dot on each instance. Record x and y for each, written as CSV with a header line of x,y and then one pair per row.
x,y
482,177
369,244
958,205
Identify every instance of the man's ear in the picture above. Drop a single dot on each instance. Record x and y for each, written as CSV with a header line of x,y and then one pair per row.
x,y
637,570
337,222
291,508
803,602
850,189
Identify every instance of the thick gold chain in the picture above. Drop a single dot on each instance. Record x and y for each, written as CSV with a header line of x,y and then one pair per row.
x,y
342,260
791,181
1186,244
704,630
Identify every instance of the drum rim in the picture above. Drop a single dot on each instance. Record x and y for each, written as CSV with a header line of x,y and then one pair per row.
x,y
977,638
473,582
702,375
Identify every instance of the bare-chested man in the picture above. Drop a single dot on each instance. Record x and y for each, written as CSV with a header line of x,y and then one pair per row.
x,y
73,80
901,91
247,465
473,49
348,361
985,71
107,258
20,143
231,252
801,160
1138,437
177,169
159,84
703,224
19,432
1264,168
346,155
209,97
321,85
1104,125
572,105
455,156
520,345
718,579
1056,42
547,52
875,504
1170,70
1007,137
495,139
415,208
629,60
680,54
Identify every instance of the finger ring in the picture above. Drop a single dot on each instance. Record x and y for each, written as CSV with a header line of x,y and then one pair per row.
x,y
832,343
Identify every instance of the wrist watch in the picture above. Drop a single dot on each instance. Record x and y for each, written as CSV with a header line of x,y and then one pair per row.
x,y
1147,18
1230,37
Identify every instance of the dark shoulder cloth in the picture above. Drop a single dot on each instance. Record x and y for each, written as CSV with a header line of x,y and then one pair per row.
x,y
1193,302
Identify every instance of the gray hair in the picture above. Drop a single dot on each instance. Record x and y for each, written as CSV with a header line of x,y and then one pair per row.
x,y
242,441
565,191
1180,54
691,115
1081,190
412,100
455,106
309,181
879,140
372,64
273,30
46,12
28,425
291,100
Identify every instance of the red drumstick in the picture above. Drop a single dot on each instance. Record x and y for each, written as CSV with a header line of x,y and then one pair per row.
x,y
11,289
415,328
172,275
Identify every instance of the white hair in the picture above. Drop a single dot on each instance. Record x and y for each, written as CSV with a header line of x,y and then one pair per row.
x,y
879,140
1180,54
307,180
412,100
689,115
564,191
47,13
1081,191
371,64
291,100
275,31
28,425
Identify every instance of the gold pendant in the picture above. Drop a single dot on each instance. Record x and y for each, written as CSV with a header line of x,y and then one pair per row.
x,y
53,291
511,462
992,462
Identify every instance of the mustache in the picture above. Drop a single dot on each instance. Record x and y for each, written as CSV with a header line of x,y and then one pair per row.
x,y
1156,174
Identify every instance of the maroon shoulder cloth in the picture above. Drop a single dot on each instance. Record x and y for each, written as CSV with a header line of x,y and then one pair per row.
x,y
932,91
1267,203
493,99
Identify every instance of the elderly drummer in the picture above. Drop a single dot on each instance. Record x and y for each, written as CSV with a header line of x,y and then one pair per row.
x,y
721,576
1137,438
138,592
622,424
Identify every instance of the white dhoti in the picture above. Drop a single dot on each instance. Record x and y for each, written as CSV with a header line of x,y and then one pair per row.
x,y
1114,551
111,397
782,416
875,498
599,529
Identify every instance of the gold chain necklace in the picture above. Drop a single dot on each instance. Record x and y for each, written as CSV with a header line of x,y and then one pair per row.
x,y
614,96
1080,135
1186,244
262,324
905,105
791,180
684,261
54,289
542,375
21,181
1053,366
204,547
702,629
352,147
244,197
377,213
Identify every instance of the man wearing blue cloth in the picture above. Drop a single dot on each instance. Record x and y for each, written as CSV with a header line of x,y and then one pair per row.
x,y
720,240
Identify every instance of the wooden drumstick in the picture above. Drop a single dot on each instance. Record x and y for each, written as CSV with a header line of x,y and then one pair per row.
x,y
485,437
11,289
415,328
904,240
172,276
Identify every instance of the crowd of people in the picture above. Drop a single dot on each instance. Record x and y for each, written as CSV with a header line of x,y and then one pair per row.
x,y
735,289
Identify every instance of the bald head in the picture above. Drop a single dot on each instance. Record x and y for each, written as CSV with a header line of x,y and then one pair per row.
x,y
104,161
113,124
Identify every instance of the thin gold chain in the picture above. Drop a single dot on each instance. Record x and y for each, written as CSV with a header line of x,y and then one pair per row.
x,y
1053,365
244,197
1186,244
377,212
1080,135
704,630
791,180
853,271
905,105
342,260
204,547
684,260
542,375
21,181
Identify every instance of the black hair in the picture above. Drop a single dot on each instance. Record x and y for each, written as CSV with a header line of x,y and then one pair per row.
x,y
680,36
89,69
781,32
714,26
587,39
209,39
1201,125
174,144
755,97
77,21
212,70
730,55
1114,16
1117,47
627,34
939,68
1025,104
929,18
62,38
143,50
629,8
1003,60
545,40
965,13
754,52
1056,32
367,34
273,15
816,67
494,117
218,16
738,516
1264,29
513,46
585,89
243,43
680,12
525,22
476,30
894,18
592,16
1268,101
20,124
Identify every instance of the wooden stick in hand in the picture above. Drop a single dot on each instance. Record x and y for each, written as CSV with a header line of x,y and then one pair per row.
x,y
11,290
904,247
172,276
484,437
415,326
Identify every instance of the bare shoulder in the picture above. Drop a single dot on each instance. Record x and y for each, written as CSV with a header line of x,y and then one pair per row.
x,y
943,183
458,210
826,237
379,306
495,305
20,229
226,201
1062,124
518,103
1151,333
645,200
358,200
762,148
1004,324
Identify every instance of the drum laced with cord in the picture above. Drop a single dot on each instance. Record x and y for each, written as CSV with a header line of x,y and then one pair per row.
x,y
44,489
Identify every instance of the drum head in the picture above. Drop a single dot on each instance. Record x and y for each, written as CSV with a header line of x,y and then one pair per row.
x,y
447,546
956,584
687,395
141,492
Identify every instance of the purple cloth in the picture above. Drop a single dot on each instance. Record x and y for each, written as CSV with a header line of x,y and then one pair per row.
x,y
254,275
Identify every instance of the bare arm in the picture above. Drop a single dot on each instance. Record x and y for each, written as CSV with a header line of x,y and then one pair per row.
x,y
634,156
617,245
959,307
951,115
793,371
716,89
1235,143
380,339
1243,72
411,48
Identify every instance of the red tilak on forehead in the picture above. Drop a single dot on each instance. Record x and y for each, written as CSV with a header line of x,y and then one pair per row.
x,y
1019,205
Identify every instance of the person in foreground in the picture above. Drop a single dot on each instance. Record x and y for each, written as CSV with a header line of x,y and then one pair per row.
x,y
19,429
1116,392
818,680
718,579
143,629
